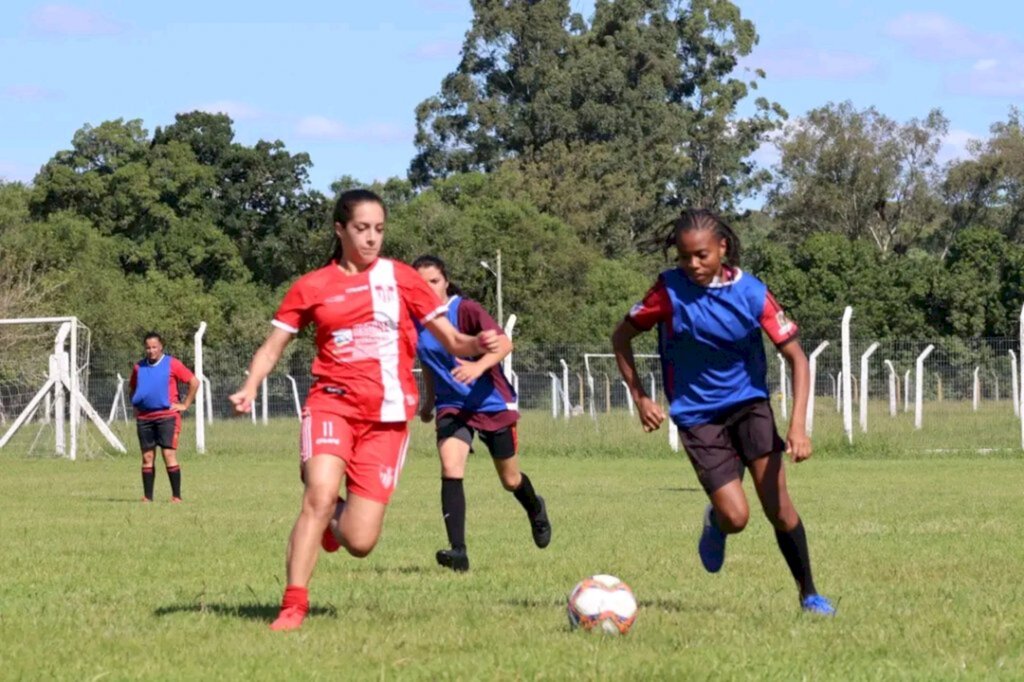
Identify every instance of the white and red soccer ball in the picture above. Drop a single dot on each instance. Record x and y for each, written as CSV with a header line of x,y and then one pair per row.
x,y
602,602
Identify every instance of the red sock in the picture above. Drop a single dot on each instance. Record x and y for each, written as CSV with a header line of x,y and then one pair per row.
x,y
295,597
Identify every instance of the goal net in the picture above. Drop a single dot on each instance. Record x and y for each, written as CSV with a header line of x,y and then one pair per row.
x,y
44,387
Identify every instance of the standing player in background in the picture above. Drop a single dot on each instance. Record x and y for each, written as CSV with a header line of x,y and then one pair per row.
x,y
154,386
355,423
710,316
471,396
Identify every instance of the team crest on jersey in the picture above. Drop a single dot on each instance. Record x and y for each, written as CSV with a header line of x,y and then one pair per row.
x,y
387,476
342,337
384,292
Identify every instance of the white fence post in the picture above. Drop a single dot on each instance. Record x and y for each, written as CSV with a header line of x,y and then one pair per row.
x,y
906,392
782,386
893,382
1021,380
812,363
208,387
266,415
864,386
197,344
839,391
554,395
975,394
629,398
566,407
1015,384
295,396
847,377
919,385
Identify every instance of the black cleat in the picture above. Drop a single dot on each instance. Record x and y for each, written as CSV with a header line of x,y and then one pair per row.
x,y
455,559
540,526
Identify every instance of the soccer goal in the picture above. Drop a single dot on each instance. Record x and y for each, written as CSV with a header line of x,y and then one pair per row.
x,y
44,384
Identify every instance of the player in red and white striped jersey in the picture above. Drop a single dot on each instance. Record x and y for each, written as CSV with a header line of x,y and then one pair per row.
x,y
354,425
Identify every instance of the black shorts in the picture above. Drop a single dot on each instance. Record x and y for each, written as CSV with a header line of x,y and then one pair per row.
x,y
162,432
502,444
719,450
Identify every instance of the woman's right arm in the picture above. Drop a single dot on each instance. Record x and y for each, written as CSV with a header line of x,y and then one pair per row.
x,y
651,414
263,362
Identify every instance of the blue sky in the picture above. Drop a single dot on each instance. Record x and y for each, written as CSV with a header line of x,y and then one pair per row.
x,y
341,80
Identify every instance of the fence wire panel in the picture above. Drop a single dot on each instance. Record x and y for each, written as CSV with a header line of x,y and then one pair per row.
x,y
959,411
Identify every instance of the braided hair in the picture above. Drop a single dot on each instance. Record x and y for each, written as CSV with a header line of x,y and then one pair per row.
x,y
702,219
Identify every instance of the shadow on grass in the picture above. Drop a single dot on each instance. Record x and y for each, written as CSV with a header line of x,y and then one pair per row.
x,y
265,612
684,490
401,570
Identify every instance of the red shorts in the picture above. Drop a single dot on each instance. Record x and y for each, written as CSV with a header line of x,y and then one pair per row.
x,y
373,452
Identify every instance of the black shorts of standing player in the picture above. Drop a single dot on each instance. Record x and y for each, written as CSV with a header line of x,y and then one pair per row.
x,y
719,450
502,444
162,432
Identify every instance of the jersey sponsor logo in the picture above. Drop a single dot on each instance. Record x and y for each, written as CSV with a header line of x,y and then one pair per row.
x,y
327,437
356,290
387,477
340,298
364,341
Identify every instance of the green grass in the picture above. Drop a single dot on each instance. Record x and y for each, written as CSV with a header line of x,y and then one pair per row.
x,y
922,551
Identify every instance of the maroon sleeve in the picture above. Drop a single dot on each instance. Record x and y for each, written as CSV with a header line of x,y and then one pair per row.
x,y
655,307
473,319
135,376
776,325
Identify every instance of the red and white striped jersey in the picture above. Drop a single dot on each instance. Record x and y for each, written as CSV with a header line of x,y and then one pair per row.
x,y
365,337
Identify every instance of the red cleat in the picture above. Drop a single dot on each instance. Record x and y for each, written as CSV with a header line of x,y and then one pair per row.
x,y
290,618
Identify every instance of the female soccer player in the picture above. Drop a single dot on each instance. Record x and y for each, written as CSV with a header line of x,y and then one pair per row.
x,y
354,425
471,396
710,315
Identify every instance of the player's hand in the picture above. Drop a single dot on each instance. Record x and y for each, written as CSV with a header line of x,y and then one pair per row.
x,y
651,414
798,445
178,407
243,401
488,341
466,372
426,416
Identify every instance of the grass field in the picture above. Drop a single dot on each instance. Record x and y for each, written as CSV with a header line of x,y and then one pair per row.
x,y
922,550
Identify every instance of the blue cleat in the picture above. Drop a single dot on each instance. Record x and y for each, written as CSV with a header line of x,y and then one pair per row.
x,y
712,544
815,603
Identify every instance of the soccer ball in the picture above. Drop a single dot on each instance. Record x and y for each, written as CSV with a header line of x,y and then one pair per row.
x,y
602,602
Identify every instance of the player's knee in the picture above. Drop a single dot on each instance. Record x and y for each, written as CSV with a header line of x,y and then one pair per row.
x,y
783,517
732,520
359,547
319,503
510,480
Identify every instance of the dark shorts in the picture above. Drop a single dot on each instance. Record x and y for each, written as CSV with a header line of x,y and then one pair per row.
x,y
502,444
162,432
719,450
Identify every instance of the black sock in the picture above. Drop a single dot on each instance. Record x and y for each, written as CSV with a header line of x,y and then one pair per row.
x,y
527,497
453,506
174,476
147,482
793,545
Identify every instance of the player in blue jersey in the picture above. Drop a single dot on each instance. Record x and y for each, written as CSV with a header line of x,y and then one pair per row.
x,y
471,396
710,317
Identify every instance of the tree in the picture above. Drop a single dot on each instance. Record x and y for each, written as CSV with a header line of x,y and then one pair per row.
x,y
860,174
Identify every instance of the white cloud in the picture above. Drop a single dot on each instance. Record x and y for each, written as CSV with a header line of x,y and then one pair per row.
x,y
956,145
29,93
238,111
934,36
812,63
991,78
67,20
324,128
440,5
441,49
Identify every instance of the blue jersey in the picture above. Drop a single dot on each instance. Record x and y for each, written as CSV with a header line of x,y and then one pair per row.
x,y
710,341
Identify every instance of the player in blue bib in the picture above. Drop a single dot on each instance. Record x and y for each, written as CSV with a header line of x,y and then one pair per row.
x,y
471,396
710,317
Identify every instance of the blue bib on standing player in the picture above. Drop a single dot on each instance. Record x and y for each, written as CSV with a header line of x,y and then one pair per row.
x,y
712,353
153,385
479,396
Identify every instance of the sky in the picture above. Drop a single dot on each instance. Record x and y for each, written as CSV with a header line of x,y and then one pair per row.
x,y
341,80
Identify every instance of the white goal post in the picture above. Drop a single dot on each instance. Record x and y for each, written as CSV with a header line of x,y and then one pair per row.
x,y
62,380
